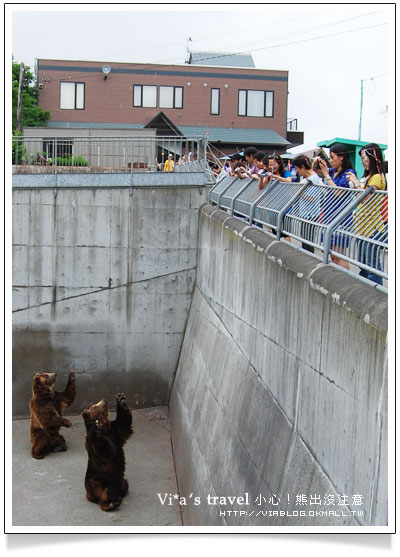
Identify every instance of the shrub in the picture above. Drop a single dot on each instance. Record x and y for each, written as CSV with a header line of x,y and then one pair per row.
x,y
79,161
63,161
18,150
69,161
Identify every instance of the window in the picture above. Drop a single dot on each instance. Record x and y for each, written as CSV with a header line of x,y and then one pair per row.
x,y
145,96
256,103
214,101
72,96
57,147
171,97
168,96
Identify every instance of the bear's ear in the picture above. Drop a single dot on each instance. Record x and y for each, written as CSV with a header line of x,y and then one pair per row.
x,y
37,380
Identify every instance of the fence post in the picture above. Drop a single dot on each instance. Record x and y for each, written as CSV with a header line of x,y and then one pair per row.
x,y
55,166
131,188
286,207
225,189
239,192
268,188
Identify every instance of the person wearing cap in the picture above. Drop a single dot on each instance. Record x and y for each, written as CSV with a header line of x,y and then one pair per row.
x,y
169,164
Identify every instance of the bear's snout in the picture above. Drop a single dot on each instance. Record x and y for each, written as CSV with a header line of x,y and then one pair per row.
x,y
102,405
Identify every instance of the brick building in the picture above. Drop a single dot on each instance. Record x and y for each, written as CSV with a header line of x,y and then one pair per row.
x,y
234,106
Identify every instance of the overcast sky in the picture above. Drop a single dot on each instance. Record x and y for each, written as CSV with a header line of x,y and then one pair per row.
x,y
326,48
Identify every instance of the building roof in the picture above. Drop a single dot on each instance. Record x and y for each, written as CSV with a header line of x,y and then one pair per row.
x,y
162,123
240,136
97,125
357,142
237,136
221,59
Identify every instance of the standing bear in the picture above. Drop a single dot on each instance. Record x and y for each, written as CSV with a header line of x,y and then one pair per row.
x,y
46,407
104,481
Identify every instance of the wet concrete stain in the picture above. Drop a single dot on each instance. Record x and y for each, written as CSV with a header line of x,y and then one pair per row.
x,y
54,260
32,352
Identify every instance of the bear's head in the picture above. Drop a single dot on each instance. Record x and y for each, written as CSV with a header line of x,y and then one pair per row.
x,y
97,414
43,383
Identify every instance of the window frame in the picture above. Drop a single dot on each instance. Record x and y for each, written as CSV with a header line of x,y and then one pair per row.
x,y
158,95
218,102
246,91
65,146
174,88
141,85
75,94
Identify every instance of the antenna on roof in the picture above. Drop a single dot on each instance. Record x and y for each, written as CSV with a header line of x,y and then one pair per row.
x,y
188,40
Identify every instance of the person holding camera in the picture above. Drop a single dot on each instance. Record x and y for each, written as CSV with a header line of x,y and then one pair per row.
x,y
340,166
237,168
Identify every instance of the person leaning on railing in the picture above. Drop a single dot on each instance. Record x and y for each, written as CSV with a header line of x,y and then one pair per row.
x,y
237,169
255,165
341,165
371,217
249,156
275,170
258,170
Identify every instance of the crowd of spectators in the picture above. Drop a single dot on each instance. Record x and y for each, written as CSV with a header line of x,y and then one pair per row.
x,y
369,221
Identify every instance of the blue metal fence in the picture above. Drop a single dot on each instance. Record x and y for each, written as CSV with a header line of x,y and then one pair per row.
x,y
351,224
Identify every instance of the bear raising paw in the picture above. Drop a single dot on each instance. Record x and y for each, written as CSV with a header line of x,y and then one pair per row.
x,y
104,481
46,408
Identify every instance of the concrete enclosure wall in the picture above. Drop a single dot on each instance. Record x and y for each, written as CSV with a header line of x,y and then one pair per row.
x,y
102,284
280,362
281,387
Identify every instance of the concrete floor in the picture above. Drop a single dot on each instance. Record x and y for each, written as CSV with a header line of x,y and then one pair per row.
x,y
51,492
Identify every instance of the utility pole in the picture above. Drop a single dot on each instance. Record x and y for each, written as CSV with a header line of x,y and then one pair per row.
x,y
361,104
188,40
19,105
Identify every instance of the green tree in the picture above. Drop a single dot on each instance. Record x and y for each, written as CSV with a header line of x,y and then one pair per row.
x,y
32,113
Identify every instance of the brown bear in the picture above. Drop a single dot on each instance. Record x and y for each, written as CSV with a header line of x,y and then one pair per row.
x,y
104,481
47,406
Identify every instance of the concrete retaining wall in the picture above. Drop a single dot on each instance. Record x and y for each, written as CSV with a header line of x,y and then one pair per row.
x,y
281,387
102,284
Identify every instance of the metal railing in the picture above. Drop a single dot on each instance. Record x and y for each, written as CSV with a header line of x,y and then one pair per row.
x,y
350,224
52,155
